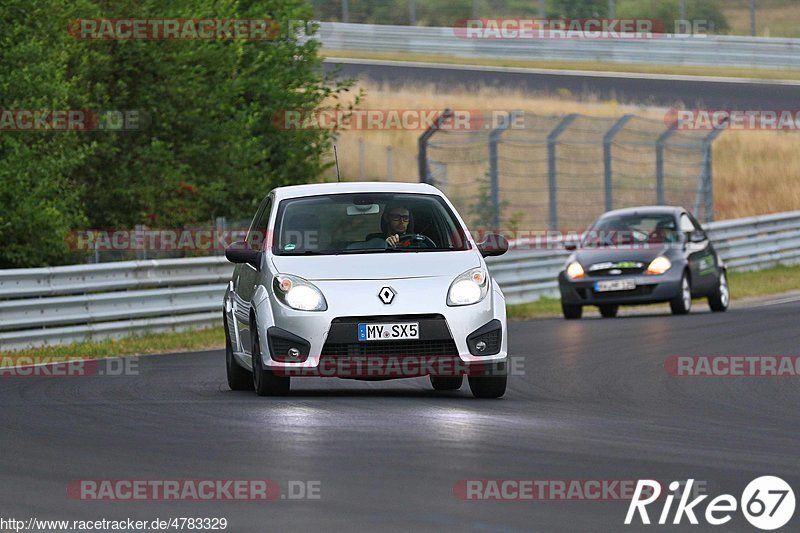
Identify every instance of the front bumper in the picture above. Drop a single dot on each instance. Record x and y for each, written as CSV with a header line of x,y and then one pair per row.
x,y
649,289
444,330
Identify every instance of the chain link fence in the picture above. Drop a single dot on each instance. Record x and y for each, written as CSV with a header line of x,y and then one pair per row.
x,y
561,172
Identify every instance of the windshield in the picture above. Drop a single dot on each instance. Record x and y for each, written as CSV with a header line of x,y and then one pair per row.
x,y
634,229
366,223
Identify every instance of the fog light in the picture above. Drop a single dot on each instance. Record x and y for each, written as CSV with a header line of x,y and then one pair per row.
x,y
293,352
480,346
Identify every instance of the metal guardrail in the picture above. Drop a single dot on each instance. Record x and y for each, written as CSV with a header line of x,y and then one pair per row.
x,y
664,49
58,305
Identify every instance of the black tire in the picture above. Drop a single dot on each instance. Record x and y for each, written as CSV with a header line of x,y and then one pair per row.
x,y
488,386
609,311
447,382
719,299
265,382
682,303
238,378
571,312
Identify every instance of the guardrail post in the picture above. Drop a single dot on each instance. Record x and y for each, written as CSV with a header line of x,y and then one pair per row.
x,y
494,180
660,142
706,181
422,145
552,181
608,138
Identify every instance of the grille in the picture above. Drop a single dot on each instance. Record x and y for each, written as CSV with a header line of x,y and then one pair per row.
x,y
605,272
413,348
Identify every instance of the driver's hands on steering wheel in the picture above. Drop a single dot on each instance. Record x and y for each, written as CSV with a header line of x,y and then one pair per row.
x,y
392,240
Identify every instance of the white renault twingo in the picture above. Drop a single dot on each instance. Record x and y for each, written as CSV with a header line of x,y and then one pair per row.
x,y
364,281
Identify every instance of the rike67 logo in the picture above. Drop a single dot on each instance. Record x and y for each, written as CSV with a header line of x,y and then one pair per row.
x,y
767,503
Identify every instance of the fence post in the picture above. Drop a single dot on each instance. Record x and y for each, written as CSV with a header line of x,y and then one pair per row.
x,y
494,180
608,138
552,138
707,182
345,11
422,145
660,142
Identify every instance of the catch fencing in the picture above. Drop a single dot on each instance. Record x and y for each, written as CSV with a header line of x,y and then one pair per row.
x,y
57,305
535,171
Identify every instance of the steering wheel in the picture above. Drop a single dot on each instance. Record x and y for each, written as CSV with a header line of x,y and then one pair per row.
x,y
415,240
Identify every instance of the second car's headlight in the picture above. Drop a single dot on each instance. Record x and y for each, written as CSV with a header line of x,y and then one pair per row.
x,y
575,271
298,293
468,288
659,265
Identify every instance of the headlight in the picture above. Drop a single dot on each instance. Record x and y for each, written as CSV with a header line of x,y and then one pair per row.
x,y
468,288
298,293
659,265
575,271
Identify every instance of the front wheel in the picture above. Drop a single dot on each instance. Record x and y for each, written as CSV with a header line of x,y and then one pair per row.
x,y
609,311
682,303
492,385
719,299
571,312
447,382
265,382
238,377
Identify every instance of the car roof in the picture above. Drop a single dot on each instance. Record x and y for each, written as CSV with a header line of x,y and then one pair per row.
x,y
296,191
646,210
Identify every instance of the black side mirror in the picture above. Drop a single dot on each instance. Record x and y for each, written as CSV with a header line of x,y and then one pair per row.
x,y
494,244
241,253
570,246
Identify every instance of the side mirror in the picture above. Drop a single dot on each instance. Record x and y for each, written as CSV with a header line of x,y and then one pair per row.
x,y
570,246
494,244
697,236
240,253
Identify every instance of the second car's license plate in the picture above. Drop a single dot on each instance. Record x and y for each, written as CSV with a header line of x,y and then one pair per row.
x,y
388,331
615,285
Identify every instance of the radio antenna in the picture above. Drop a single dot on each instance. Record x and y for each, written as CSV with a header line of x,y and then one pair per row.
x,y
336,158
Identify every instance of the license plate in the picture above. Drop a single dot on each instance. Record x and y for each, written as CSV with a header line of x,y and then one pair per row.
x,y
615,285
389,331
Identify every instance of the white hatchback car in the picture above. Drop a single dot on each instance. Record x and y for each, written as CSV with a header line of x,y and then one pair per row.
x,y
365,281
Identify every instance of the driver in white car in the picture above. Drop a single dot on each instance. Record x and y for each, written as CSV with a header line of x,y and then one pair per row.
x,y
396,223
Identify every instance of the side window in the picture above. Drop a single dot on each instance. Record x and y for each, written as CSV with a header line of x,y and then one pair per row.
x,y
686,224
257,234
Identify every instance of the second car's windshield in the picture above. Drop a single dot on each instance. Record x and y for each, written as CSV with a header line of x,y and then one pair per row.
x,y
366,223
615,230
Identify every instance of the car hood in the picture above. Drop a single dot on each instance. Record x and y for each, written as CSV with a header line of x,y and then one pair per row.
x,y
591,256
382,265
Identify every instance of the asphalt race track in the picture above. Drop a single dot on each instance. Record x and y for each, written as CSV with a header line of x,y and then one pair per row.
x,y
595,402
626,88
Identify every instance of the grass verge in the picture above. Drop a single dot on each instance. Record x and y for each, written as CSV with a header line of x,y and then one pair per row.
x,y
775,280
719,72
743,285
184,341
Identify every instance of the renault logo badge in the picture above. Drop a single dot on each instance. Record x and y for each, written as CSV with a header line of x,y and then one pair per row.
x,y
387,294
